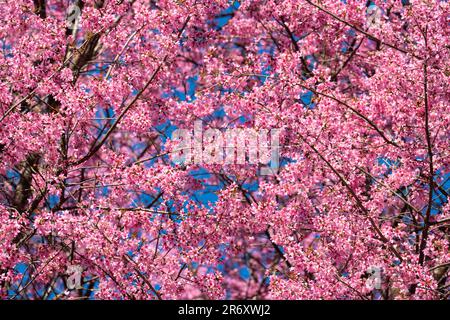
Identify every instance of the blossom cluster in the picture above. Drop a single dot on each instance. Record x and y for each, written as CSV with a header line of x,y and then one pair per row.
x,y
90,98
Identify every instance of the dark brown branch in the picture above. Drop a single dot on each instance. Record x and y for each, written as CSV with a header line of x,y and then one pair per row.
x,y
40,8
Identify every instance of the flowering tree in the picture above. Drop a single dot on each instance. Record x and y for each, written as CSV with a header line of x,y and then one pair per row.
x,y
91,205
